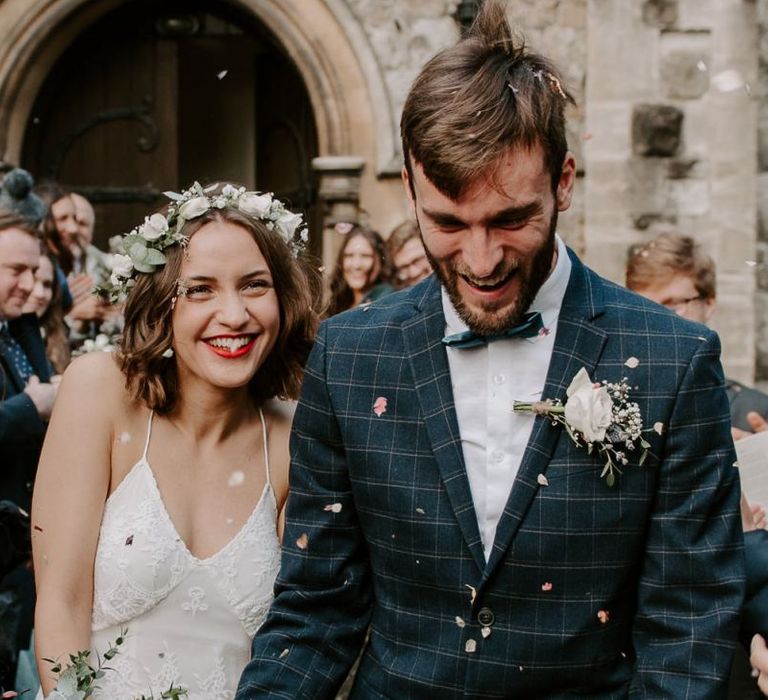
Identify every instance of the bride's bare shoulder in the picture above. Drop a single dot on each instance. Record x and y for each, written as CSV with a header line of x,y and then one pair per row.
x,y
97,378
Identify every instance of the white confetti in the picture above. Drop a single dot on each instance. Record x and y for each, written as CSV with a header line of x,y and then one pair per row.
x,y
460,621
472,592
230,521
222,74
736,464
486,632
125,437
284,653
471,646
236,478
701,66
542,480
751,263
420,511
632,362
658,427
728,80
333,508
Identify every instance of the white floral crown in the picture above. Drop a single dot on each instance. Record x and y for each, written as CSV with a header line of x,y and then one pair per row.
x,y
141,250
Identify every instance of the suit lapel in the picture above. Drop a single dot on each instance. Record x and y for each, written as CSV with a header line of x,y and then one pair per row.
x,y
422,336
27,333
578,344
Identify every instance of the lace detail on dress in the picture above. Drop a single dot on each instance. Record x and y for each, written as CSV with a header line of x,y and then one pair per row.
x,y
190,621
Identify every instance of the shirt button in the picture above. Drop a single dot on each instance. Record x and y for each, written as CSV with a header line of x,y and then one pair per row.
x,y
497,456
486,617
499,379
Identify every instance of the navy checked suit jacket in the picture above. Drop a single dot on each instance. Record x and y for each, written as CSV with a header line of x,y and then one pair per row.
x,y
592,591
21,428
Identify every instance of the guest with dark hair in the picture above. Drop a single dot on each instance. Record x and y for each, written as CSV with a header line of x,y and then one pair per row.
x,y
363,271
408,256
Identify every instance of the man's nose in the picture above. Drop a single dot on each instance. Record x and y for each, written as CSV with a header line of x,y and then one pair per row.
x,y
481,251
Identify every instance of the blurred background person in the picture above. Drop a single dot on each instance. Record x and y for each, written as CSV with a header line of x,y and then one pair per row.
x,y
674,271
406,251
88,259
47,302
362,273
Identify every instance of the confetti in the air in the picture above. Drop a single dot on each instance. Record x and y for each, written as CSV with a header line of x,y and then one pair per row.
x,y
380,406
236,478
303,541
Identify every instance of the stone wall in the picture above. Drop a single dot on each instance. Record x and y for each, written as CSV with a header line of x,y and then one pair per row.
x,y
671,108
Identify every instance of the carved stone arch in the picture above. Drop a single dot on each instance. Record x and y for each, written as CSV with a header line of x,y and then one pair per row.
x,y
328,46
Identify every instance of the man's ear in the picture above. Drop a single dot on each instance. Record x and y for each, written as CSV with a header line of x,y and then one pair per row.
x,y
564,191
709,308
408,188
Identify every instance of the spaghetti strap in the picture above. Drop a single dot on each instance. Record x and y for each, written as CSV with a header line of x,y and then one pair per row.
x,y
149,433
266,448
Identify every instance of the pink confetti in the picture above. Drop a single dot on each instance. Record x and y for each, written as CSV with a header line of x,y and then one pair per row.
x,y
303,541
546,586
544,332
380,406
603,616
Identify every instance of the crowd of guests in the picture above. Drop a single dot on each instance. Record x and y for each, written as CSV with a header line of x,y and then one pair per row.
x,y
49,267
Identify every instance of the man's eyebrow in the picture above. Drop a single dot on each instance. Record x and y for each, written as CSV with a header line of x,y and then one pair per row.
x,y
515,213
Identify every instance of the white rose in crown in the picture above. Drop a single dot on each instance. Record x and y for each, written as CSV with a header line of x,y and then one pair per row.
x,y
195,207
153,227
589,408
253,204
122,266
287,224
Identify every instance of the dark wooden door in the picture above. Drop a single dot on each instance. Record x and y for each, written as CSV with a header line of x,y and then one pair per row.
x,y
157,95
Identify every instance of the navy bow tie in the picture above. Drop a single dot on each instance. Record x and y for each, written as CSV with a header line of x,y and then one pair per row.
x,y
529,327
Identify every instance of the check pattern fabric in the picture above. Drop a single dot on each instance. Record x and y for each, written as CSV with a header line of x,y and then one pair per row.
x,y
11,349
589,591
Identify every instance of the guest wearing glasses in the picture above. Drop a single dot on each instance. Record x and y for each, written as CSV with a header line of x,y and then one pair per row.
x,y
676,272
406,251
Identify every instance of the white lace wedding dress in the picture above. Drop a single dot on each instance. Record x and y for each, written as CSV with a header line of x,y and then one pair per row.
x,y
189,621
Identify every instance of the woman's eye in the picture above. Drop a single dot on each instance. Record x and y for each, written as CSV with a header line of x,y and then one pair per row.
x,y
260,286
198,291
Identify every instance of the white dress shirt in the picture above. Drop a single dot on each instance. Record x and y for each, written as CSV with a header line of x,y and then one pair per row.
x,y
486,381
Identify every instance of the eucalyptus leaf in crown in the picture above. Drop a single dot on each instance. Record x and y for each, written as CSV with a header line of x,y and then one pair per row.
x,y
142,250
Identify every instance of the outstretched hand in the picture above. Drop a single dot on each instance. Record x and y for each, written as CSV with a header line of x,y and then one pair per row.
x,y
756,422
759,660
43,395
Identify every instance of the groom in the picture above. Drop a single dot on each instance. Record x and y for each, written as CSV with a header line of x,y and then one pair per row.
x,y
482,546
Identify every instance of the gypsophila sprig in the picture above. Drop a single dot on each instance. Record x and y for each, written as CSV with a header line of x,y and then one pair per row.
x,y
598,416
78,680
141,250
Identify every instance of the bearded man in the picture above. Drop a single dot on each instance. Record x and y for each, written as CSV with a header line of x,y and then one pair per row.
x,y
498,553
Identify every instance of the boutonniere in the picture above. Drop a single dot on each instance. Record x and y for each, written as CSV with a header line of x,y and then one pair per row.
x,y
598,416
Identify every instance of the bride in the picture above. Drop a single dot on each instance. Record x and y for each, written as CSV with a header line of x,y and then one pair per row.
x,y
165,466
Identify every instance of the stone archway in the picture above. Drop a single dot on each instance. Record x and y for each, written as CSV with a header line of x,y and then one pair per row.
x,y
325,42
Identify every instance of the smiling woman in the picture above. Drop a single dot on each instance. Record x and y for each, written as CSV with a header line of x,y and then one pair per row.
x,y
159,502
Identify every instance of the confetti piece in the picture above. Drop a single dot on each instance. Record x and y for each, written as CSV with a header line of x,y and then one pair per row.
x,y
728,80
472,592
343,227
420,511
471,646
542,480
418,561
236,478
603,616
751,263
632,362
36,120
701,66
380,406
222,74
129,540
460,621
284,653
125,437
486,632
230,521
546,586
736,464
333,508
321,268
303,541
37,527
658,427
586,137
519,668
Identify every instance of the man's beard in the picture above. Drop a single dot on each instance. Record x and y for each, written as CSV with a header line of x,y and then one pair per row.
x,y
490,320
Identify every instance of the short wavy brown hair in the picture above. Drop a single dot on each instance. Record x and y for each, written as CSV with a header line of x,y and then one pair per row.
x,y
153,379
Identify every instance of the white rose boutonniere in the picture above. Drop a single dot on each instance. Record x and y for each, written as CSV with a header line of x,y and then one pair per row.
x,y
153,227
598,416
192,208
253,204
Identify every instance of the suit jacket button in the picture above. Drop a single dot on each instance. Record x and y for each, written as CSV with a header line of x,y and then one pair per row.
x,y
486,617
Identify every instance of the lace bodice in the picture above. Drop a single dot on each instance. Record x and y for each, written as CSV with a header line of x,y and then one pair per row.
x,y
189,620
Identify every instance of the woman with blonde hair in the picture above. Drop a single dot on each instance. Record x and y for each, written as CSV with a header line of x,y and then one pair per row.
x,y
165,466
